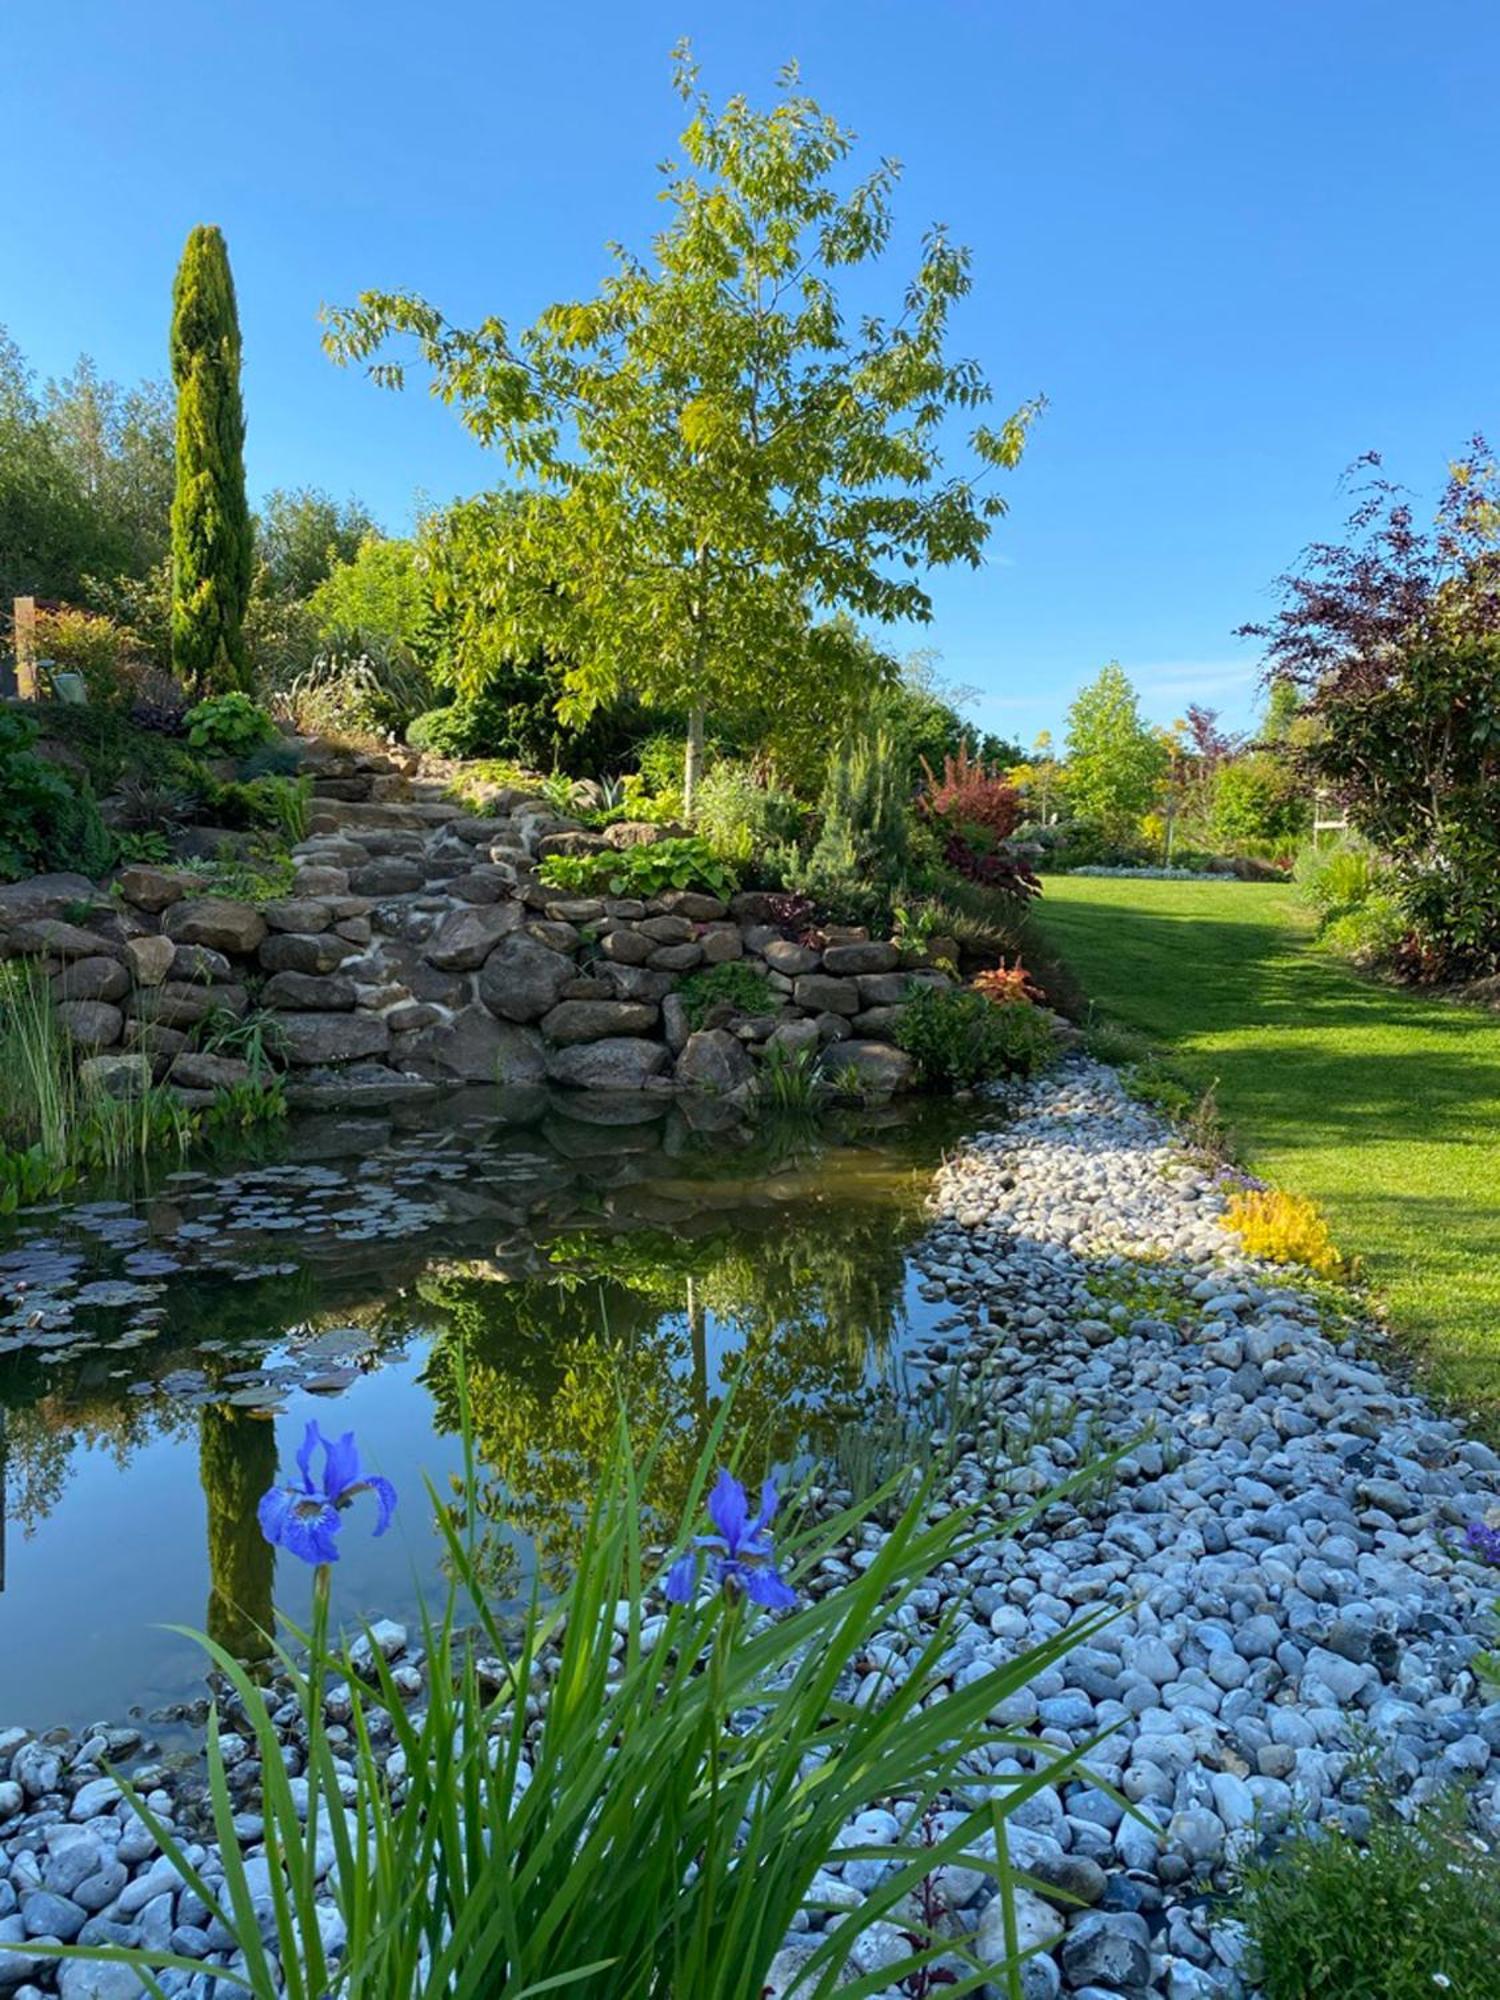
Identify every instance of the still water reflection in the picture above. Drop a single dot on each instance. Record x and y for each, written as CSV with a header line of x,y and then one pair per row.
x,y
160,1355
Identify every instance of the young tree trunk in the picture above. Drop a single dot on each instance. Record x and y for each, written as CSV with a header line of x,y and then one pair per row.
x,y
692,763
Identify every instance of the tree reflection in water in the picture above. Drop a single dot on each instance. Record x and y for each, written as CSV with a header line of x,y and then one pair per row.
x,y
798,1309
236,1464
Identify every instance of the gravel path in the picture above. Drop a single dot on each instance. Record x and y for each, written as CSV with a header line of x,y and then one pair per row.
x,y
1283,1536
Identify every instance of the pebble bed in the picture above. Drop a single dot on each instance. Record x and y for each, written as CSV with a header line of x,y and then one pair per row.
x,y
1283,1537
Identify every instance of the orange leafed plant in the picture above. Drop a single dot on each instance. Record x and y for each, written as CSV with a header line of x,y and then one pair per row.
x,y
1007,984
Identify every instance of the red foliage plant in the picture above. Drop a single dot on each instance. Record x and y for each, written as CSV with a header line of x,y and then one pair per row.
x,y
1007,874
1008,985
969,796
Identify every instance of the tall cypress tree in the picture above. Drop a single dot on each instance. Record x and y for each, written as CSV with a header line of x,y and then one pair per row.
x,y
212,532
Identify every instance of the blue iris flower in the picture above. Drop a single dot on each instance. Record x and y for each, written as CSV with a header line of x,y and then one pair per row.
x,y
741,1562
305,1520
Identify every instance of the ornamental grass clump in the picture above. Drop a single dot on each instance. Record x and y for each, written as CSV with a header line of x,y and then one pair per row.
x,y
631,1798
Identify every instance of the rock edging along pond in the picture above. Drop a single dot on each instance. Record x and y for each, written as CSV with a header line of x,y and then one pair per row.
x,y
1282,1534
417,947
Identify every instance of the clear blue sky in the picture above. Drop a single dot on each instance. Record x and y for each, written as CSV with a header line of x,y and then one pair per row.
x,y
1234,244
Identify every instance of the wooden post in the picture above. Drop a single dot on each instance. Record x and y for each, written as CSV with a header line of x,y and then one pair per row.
x,y
25,641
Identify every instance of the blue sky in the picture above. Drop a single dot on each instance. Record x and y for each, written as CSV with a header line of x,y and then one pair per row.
x,y
1234,244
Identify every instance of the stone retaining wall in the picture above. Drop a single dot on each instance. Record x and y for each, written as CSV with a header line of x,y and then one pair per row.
x,y
417,949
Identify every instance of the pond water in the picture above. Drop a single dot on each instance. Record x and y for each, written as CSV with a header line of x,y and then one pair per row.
x,y
160,1355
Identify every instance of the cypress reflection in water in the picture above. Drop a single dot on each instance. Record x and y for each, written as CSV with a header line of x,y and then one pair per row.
x,y
237,1462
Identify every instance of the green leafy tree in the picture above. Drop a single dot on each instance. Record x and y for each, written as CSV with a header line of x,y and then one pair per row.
x,y
303,535
1259,797
49,533
119,445
212,530
382,593
722,455
1116,762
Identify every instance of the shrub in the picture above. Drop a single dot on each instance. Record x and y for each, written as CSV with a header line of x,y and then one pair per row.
x,y
83,643
1412,1911
46,821
734,984
640,871
970,799
1369,935
228,725
1284,1229
1259,797
741,818
957,1038
1337,877
1007,874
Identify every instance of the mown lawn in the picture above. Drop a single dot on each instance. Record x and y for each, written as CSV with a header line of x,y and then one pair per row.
x,y
1383,1106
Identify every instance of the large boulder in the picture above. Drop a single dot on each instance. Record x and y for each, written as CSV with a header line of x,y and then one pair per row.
x,y
218,922
42,896
676,957
820,993
591,1020
694,905
475,1047
885,989
151,889
713,1060
199,961
845,960
51,937
619,1063
522,980
91,979
183,1003
115,1076
317,953
721,944
195,1070
464,940
150,959
330,993
91,1024
626,947
794,1038
389,875
635,982
314,1038
298,913
788,958
879,1066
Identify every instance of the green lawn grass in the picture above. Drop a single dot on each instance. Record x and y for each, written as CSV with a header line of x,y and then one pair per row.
x,y
1381,1105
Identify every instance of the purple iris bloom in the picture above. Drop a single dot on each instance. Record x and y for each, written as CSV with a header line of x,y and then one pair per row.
x,y
742,1562
304,1520
1484,1540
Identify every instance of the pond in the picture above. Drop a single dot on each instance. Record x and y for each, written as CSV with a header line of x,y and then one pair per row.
x,y
160,1355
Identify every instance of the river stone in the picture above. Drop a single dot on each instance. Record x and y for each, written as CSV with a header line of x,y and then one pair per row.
x,y
795,1037
675,1025
465,939
626,947
667,930
91,1024
91,979
314,881
389,875
1109,1948
722,944
199,961
298,913
877,1024
884,989
789,959
329,993
150,959
218,922
694,905
593,1020
676,957
295,951
521,979
845,960
713,1060
880,1066
619,1063
636,982
332,1038
820,994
